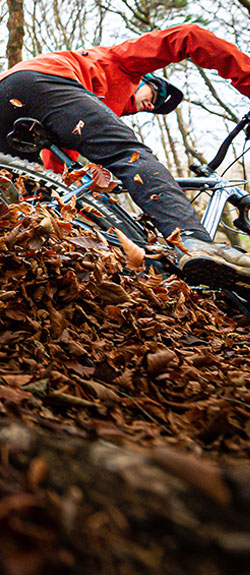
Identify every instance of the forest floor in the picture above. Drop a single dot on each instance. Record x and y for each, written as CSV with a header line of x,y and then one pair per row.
x,y
124,412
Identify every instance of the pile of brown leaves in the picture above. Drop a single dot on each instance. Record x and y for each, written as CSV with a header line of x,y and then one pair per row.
x,y
129,358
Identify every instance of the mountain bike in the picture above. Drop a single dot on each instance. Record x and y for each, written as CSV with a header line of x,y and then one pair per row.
x,y
99,210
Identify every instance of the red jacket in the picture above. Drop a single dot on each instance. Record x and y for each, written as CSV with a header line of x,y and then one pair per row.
x,y
113,73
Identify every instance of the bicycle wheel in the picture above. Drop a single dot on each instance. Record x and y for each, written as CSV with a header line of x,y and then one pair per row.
x,y
46,180
95,213
112,215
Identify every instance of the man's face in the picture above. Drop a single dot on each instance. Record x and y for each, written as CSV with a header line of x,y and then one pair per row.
x,y
145,98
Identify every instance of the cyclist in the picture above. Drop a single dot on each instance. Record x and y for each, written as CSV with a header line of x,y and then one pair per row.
x,y
99,85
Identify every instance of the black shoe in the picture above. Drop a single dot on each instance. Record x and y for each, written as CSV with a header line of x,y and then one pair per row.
x,y
214,265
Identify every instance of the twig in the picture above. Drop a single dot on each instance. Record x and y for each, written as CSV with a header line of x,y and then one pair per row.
x,y
70,400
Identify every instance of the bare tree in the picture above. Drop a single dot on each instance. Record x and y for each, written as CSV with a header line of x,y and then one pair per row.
x,y
54,25
15,26
143,15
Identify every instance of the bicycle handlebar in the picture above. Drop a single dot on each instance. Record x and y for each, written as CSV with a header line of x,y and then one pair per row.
x,y
219,157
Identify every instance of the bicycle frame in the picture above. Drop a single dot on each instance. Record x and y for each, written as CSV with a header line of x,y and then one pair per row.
x,y
222,193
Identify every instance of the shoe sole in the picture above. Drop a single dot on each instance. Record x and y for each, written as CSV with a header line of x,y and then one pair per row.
x,y
202,270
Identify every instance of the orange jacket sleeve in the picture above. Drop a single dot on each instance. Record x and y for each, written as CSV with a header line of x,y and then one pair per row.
x,y
159,48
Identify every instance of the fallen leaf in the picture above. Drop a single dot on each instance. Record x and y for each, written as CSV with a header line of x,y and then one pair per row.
x,y
100,390
16,103
37,472
157,362
175,239
112,292
70,177
134,157
100,175
90,210
137,178
16,379
134,254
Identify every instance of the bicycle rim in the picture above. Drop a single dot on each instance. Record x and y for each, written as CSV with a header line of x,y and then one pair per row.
x,y
98,214
48,182
37,174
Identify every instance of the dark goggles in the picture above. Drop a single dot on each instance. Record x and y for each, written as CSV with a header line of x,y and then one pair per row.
x,y
166,96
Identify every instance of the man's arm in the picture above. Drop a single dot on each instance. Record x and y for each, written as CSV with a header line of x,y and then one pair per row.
x,y
159,48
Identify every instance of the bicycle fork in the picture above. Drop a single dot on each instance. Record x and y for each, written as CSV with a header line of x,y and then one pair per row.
x,y
222,193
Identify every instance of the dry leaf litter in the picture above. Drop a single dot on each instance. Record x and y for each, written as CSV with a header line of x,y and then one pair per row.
x,y
130,358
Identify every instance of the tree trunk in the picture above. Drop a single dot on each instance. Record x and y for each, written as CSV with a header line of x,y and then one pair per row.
x,y
16,32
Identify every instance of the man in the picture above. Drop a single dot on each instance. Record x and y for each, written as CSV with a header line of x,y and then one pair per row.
x,y
100,85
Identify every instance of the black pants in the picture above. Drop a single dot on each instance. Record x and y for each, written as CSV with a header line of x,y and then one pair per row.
x,y
59,104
